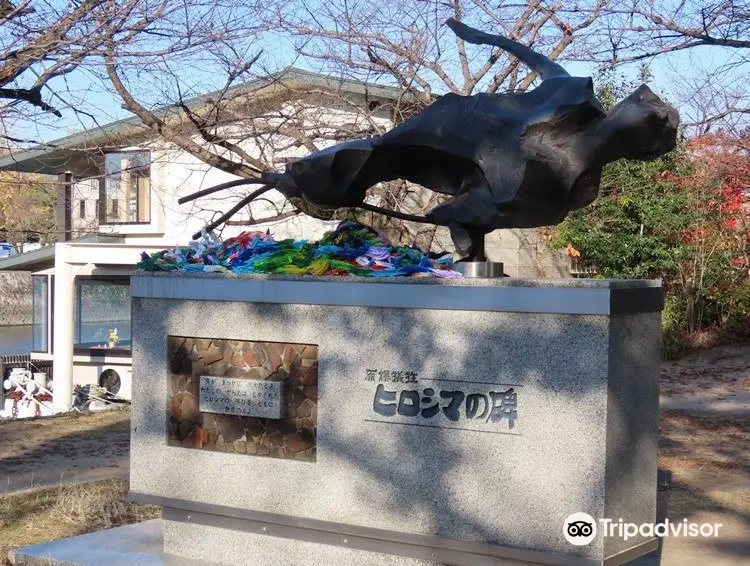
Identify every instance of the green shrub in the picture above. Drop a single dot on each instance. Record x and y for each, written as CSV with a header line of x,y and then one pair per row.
x,y
735,303
675,341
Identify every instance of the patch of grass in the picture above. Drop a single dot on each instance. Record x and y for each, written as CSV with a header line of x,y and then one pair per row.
x,y
675,343
68,510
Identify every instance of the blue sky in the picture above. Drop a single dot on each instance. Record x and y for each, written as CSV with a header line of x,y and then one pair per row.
x,y
88,92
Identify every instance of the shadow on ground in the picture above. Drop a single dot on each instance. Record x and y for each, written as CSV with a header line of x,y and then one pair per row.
x,y
46,452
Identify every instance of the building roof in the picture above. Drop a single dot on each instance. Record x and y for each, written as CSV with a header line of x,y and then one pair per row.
x,y
44,258
78,151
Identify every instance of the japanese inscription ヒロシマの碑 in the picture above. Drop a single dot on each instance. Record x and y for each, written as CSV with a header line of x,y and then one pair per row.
x,y
461,401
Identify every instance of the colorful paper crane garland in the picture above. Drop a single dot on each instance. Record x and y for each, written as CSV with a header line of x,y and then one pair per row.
x,y
351,249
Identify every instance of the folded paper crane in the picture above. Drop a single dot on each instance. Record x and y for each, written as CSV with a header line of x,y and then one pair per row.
x,y
514,160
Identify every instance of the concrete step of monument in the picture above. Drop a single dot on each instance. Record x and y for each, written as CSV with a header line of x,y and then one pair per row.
x,y
132,545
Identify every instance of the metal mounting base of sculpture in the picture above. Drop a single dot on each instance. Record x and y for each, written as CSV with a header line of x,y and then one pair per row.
x,y
514,160
480,269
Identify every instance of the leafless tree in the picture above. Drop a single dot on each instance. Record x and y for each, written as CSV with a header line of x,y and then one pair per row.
x,y
640,30
51,50
402,44
41,41
405,44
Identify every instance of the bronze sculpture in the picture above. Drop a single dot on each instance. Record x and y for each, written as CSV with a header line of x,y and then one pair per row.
x,y
514,160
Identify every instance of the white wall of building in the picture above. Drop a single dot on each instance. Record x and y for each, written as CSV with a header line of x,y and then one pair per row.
x,y
176,173
84,198
184,174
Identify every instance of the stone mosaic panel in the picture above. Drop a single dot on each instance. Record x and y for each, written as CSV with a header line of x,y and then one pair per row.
x,y
293,436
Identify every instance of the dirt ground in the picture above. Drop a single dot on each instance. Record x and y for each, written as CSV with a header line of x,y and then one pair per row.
x,y
715,381
67,449
705,445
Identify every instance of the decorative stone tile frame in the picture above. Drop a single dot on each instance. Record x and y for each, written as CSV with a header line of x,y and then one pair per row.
x,y
296,365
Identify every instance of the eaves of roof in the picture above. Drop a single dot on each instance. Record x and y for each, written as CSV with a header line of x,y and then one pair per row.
x,y
44,258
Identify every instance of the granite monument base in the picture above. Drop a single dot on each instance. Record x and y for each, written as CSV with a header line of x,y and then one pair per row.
x,y
407,422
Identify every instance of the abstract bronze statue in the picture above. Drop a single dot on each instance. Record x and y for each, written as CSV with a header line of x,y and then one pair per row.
x,y
516,160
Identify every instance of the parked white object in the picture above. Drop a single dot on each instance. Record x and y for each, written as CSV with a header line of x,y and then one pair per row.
x,y
117,379
21,380
40,378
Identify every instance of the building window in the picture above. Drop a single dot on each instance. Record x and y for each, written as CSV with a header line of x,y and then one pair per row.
x,y
81,208
102,315
126,188
40,313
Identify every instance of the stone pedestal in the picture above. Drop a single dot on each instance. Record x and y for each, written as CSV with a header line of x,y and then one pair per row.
x,y
422,421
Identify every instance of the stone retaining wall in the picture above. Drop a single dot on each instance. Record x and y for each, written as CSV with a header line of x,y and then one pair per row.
x,y
524,254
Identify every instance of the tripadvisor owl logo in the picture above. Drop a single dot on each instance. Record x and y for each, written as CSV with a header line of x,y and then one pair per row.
x,y
579,529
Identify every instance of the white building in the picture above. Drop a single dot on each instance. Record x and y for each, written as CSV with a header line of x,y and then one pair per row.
x,y
118,188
